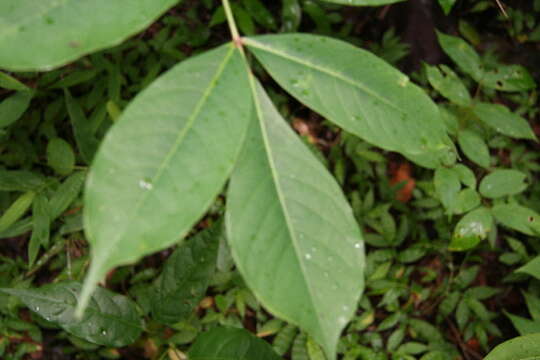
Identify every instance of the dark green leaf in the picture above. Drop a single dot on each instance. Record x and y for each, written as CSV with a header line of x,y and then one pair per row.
x,y
110,320
60,156
185,277
82,129
13,107
222,343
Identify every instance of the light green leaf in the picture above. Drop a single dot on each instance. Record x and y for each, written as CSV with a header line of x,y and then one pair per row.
x,y
462,54
466,200
13,107
532,268
10,83
520,348
448,84
49,33
60,156
111,319
165,160
508,78
523,325
224,343
447,186
363,2
502,120
471,229
447,5
16,210
359,92
533,303
517,217
466,175
474,147
284,208
185,277
503,182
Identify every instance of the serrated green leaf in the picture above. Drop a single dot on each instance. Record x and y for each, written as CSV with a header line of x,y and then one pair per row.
x,y
60,156
474,147
13,107
359,92
165,160
62,31
471,229
223,343
285,208
111,319
520,348
502,120
503,182
517,217
185,277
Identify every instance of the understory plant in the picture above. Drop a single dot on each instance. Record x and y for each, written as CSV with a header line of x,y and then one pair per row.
x,y
208,123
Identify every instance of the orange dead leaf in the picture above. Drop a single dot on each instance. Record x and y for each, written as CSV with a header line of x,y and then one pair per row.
x,y
401,174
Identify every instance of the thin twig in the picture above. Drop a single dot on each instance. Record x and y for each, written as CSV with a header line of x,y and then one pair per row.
x,y
501,6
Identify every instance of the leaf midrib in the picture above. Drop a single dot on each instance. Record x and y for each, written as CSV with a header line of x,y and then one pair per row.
x,y
254,43
279,192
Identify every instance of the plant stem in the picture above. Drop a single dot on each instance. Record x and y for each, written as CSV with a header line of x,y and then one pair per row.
x,y
232,24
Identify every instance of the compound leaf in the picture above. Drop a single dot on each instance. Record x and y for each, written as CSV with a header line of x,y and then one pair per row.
x,y
63,30
359,92
165,160
285,209
111,319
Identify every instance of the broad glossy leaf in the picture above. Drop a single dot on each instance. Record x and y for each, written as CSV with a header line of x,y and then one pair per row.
x,y
520,348
13,107
471,229
225,343
503,182
285,209
166,159
363,2
502,120
111,319
48,33
185,277
357,91
474,147
517,217
532,268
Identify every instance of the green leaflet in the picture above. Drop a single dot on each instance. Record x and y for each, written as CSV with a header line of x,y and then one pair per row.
x,y
16,210
471,229
363,2
359,92
60,156
502,120
517,217
285,209
520,348
110,320
474,147
224,343
164,161
185,277
532,268
41,227
13,107
63,30
503,182
66,193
